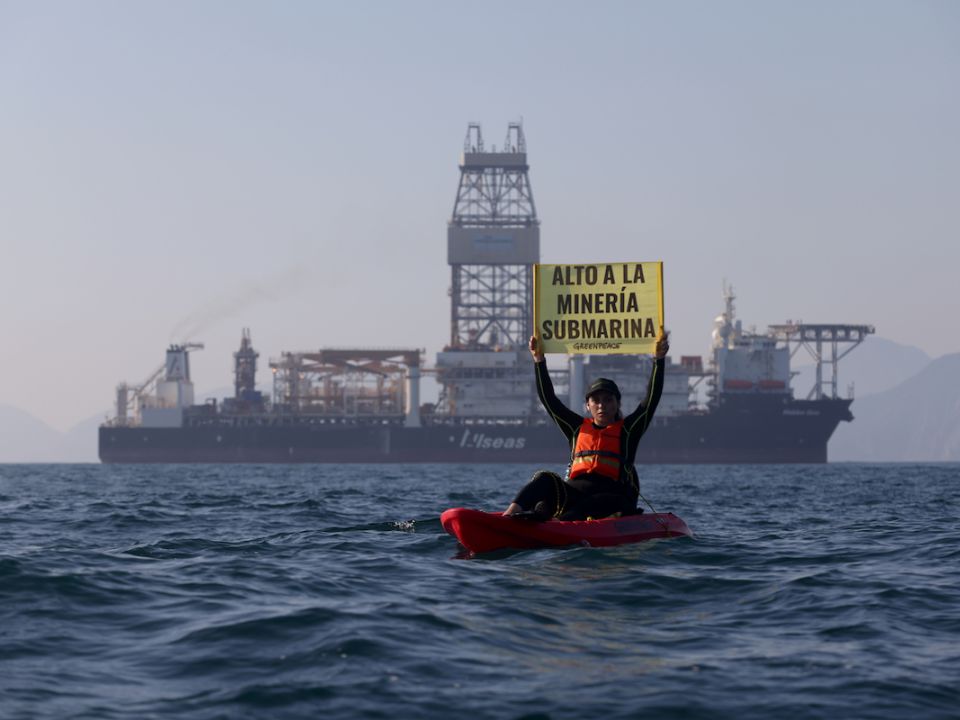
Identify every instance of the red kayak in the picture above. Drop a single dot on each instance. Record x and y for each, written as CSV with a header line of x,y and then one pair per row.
x,y
480,531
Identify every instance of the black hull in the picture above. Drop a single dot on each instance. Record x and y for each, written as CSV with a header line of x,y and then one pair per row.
x,y
737,432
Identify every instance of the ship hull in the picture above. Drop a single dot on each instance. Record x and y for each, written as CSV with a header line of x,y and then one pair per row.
x,y
756,431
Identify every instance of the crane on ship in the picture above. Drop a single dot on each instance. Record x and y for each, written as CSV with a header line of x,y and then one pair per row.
x,y
130,397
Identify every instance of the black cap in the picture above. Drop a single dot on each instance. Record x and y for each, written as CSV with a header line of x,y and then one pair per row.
x,y
603,385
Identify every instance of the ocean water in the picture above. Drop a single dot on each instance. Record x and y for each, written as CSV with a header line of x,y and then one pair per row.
x,y
320,591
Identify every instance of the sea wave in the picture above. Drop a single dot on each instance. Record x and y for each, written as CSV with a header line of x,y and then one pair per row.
x,y
283,591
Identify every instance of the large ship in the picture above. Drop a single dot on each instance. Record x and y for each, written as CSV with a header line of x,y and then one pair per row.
x,y
363,405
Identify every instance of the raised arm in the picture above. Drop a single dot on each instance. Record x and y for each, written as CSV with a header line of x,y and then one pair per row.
x,y
639,420
566,419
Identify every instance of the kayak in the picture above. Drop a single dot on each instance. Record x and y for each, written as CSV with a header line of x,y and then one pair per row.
x,y
480,531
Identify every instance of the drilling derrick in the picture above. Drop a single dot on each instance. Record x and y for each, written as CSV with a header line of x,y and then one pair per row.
x,y
493,240
246,398
245,368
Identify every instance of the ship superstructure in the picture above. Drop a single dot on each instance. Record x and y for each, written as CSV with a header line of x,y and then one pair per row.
x,y
349,386
161,399
363,405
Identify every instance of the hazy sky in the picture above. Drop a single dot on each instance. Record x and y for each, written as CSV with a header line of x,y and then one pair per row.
x,y
185,169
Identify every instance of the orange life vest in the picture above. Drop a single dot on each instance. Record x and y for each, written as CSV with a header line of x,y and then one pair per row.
x,y
598,450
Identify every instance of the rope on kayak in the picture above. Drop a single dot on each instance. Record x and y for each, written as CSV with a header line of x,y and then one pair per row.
x,y
656,515
647,502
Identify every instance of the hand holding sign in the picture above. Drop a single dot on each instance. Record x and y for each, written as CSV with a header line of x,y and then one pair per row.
x,y
663,344
535,349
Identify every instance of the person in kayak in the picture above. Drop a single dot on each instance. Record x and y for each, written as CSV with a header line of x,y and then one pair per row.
x,y
601,478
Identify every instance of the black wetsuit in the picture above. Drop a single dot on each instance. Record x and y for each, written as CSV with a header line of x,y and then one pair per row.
x,y
590,494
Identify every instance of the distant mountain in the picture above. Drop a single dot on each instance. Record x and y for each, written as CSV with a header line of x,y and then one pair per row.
x,y
25,439
875,366
918,420
80,441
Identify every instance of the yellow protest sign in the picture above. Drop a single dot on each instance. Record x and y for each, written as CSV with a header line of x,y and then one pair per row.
x,y
614,308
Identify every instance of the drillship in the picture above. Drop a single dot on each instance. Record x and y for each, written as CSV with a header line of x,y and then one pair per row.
x,y
363,405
